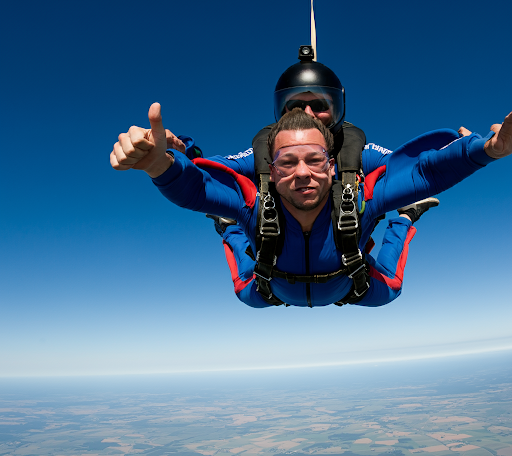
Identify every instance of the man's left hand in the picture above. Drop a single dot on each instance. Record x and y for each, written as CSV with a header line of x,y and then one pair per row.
x,y
500,145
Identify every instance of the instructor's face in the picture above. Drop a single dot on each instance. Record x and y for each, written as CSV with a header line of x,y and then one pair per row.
x,y
304,190
324,116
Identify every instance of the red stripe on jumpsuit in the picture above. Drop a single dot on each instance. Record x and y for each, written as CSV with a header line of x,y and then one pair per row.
x,y
233,268
249,193
395,283
246,185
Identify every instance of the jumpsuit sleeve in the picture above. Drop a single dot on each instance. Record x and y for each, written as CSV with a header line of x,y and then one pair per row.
x,y
412,174
387,271
213,192
242,163
374,156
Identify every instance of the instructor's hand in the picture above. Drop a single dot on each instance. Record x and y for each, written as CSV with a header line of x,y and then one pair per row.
x,y
144,149
463,131
500,145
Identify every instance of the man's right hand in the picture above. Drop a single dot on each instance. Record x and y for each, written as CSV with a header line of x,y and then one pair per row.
x,y
144,149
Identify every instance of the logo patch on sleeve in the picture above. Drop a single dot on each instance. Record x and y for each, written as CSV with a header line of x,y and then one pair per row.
x,y
243,154
380,149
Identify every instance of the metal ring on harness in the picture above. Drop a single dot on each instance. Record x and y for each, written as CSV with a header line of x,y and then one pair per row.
x,y
348,191
347,261
348,219
363,292
352,209
356,271
273,264
269,217
268,202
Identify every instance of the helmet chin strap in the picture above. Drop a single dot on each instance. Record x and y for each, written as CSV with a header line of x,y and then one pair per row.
x,y
313,32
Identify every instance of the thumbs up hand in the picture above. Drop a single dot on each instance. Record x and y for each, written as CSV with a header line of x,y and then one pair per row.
x,y
144,149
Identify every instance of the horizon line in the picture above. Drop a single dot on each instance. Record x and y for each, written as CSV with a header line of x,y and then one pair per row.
x,y
264,368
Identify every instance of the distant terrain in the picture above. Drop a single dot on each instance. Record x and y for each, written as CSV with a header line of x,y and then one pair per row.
x,y
440,407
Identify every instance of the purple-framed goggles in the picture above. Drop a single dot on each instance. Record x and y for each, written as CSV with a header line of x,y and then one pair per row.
x,y
314,156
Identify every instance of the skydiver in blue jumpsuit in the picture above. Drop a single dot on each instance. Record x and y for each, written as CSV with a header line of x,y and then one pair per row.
x,y
321,95
392,256
410,173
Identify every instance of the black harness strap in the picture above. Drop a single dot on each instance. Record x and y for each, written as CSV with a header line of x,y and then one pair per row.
x,y
345,212
268,227
268,236
314,278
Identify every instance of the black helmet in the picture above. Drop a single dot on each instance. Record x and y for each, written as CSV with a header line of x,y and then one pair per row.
x,y
308,81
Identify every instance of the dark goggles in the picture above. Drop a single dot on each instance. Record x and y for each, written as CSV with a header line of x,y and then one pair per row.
x,y
316,105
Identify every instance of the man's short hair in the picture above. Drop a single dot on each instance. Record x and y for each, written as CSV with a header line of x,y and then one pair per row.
x,y
297,119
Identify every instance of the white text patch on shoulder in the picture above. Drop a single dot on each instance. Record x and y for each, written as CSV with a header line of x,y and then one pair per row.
x,y
380,149
243,154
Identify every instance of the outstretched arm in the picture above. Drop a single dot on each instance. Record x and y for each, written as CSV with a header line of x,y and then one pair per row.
x,y
218,190
414,173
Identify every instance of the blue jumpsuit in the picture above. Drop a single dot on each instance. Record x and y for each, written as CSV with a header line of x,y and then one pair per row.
x,y
395,246
415,171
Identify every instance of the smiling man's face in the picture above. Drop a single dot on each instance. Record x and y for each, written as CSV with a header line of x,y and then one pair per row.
x,y
304,190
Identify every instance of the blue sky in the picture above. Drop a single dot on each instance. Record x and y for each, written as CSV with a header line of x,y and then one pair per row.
x,y
101,275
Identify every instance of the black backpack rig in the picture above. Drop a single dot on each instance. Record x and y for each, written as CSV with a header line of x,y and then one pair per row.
x,y
349,144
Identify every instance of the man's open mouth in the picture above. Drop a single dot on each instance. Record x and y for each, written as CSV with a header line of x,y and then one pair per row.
x,y
305,189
